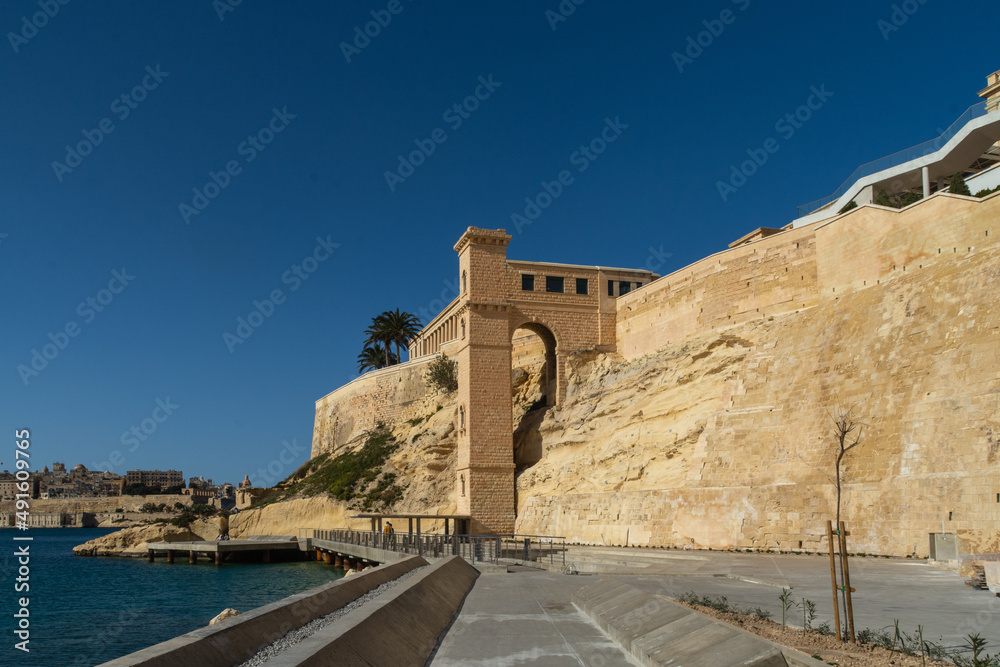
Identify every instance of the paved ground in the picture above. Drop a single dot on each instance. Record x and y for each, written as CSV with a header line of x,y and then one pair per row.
x,y
887,589
527,617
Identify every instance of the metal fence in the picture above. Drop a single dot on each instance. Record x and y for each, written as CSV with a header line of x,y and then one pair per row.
x,y
473,548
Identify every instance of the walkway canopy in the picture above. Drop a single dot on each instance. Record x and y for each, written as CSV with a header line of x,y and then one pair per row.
x,y
461,521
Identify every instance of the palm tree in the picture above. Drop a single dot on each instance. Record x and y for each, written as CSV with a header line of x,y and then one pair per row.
x,y
392,327
379,336
374,357
402,326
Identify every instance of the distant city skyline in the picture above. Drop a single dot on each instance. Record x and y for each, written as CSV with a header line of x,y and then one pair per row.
x,y
206,204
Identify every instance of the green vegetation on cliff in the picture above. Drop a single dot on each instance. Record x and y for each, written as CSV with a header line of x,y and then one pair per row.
x,y
355,476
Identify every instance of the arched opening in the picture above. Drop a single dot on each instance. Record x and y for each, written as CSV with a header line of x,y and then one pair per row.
x,y
465,282
533,388
461,418
463,328
461,479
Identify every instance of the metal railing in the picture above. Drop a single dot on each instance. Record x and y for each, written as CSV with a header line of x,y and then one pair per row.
x,y
920,150
473,548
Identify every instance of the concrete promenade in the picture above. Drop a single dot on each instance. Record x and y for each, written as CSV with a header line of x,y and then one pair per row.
x,y
526,617
908,590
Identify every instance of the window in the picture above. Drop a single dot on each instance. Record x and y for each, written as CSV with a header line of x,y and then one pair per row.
x,y
465,282
638,285
463,328
553,284
624,287
581,286
611,288
527,282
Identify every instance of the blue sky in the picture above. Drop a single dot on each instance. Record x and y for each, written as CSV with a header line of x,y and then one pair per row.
x,y
120,116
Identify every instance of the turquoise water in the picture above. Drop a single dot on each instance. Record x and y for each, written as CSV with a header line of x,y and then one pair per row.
x,y
85,611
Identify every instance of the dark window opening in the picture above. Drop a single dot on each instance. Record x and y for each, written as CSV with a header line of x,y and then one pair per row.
x,y
527,282
949,516
638,285
611,288
624,287
581,286
553,284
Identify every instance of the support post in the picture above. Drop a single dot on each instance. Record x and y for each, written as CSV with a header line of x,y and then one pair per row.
x,y
847,581
150,556
319,555
359,565
170,557
328,558
338,562
266,557
926,174
218,557
192,557
420,546
833,578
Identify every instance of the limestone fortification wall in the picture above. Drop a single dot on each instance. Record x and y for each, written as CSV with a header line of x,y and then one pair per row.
x,y
725,438
389,395
800,268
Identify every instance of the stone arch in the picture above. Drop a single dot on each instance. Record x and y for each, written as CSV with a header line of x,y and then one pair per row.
x,y
553,381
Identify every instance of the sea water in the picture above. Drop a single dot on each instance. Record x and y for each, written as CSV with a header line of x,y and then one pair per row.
x,y
87,610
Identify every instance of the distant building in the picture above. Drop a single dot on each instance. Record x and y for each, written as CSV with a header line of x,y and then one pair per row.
x,y
163,479
9,482
246,483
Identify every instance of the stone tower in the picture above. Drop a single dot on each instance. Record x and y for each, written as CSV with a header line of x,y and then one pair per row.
x,y
485,440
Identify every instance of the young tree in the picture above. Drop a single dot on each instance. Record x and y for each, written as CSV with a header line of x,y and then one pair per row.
x,y
847,430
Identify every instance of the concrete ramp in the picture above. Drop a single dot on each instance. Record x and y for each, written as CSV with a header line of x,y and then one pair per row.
x,y
397,629
654,631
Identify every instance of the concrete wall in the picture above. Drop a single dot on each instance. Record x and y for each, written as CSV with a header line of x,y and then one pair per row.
x,y
237,639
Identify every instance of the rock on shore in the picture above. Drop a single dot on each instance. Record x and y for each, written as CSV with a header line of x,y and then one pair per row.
x,y
131,542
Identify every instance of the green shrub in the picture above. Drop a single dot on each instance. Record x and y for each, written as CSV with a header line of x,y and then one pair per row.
x,y
849,206
987,191
352,476
442,374
958,186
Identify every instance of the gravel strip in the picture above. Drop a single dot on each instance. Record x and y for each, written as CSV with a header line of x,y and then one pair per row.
x,y
295,636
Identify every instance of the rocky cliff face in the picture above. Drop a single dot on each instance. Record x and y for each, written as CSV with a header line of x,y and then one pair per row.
x,y
130,542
